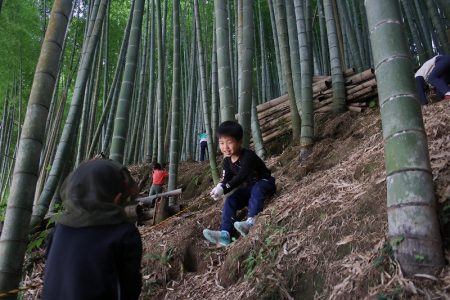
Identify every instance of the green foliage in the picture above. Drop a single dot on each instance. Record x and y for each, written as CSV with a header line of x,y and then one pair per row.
x,y
20,40
164,258
38,241
372,103
419,258
267,252
3,209
385,254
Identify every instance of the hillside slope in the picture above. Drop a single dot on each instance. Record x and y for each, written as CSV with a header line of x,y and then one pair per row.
x,y
321,236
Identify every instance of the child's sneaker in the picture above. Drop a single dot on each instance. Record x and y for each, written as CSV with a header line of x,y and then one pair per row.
x,y
243,227
221,238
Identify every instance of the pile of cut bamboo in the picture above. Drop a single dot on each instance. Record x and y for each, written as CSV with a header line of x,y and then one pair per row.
x,y
274,115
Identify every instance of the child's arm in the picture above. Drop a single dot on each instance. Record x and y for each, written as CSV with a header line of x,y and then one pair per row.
x,y
129,266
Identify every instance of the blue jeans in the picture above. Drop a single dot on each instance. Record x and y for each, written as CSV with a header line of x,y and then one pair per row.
x,y
440,76
421,86
252,196
203,149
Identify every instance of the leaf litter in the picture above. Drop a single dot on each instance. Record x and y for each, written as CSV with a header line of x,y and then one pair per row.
x,y
322,236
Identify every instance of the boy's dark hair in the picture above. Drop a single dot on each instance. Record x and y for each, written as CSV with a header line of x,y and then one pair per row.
x,y
156,166
232,129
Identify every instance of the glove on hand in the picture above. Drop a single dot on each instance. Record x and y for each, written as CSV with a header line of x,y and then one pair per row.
x,y
217,192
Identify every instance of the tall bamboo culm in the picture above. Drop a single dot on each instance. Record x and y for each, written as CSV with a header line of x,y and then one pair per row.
x,y
413,225
204,97
14,238
175,144
73,117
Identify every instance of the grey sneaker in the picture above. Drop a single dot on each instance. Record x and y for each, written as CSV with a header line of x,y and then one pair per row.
x,y
221,238
243,227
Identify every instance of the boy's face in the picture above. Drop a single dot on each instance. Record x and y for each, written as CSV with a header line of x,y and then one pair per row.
x,y
229,145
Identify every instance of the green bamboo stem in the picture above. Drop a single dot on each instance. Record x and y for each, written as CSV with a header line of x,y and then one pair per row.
x,y
438,26
227,108
307,110
14,238
126,90
160,88
279,64
73,117
246,70
335,59
294,51
287,74
206,118
176,103
412,219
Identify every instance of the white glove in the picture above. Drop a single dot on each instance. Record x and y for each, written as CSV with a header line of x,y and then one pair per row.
x,y
217,192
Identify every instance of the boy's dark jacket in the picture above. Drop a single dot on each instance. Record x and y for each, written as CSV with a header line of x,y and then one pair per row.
x,y
249,168
94,253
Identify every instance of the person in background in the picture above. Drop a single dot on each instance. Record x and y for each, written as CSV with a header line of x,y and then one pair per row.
x,y
244,171
436,73
94,252
203,137
158,179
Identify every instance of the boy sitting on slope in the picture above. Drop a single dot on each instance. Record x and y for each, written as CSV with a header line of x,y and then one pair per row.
x,y
244,170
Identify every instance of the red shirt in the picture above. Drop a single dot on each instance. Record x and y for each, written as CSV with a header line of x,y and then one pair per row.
x,y
159,176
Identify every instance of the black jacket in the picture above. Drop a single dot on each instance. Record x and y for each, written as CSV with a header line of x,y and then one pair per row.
x,y
96,262
249,168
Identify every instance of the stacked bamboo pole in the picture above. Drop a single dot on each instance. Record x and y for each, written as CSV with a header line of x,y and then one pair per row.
x,y
274,115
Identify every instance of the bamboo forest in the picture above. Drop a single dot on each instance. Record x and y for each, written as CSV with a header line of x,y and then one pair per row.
x,y
224,149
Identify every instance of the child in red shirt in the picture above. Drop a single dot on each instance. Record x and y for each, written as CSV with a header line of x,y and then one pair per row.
x,y
158,177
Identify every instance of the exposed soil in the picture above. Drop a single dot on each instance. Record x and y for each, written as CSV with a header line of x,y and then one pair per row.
x,y
321,236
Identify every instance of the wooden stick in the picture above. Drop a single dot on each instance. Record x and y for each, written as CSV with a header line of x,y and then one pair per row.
x,y
149,199
354,108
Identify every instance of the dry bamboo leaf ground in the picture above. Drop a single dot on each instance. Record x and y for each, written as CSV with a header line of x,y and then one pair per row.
x,y
321,237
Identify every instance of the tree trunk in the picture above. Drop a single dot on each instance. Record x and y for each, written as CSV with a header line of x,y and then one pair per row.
x,y
307,129
438,26
126,90
275,33
415,34
285,59
293,33
323,39
424,28
160,89
412,219
227,109
201,64
14,238
176,103
335,60
246,46
215,98
150,97
351,36
72,121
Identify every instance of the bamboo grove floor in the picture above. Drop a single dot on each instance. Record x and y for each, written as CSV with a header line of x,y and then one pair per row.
x,y
322,236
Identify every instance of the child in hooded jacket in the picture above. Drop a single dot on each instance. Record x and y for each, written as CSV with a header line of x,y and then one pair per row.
x,y
94,251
